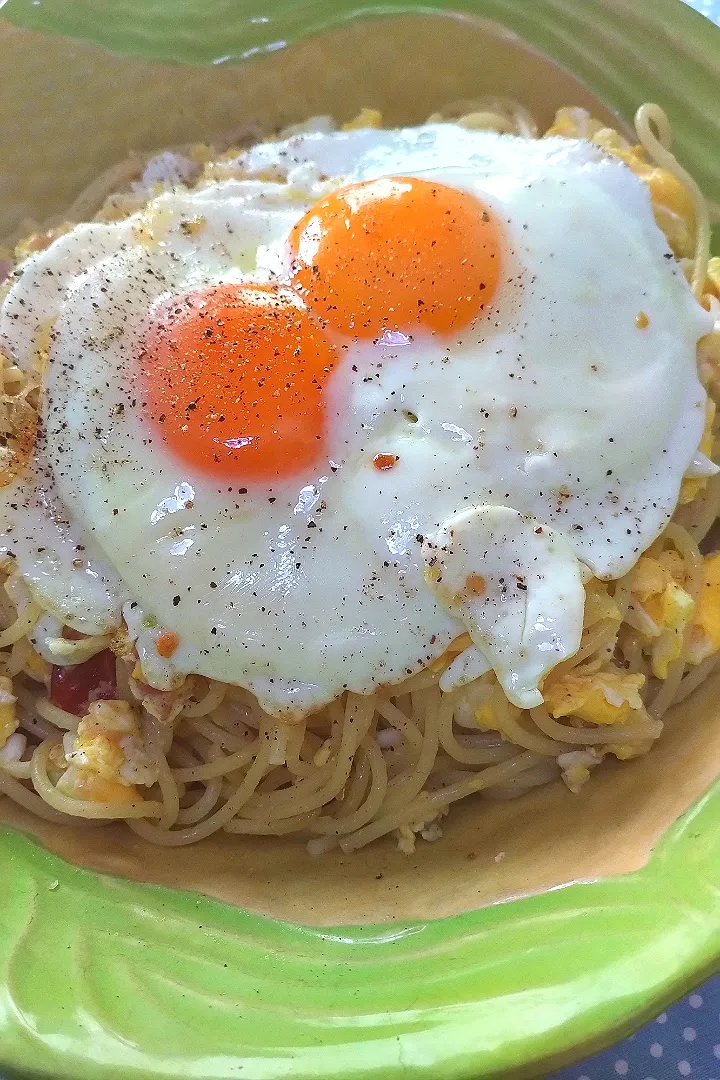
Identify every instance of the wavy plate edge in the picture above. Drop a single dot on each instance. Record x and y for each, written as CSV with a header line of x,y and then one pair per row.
x,y
154,980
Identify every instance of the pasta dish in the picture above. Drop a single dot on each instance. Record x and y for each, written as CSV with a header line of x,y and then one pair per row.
x,y
356,472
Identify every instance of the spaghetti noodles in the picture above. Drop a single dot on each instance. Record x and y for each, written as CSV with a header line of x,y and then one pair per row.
x,y
180,765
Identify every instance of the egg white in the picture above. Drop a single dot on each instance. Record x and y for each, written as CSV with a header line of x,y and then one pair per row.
x,y
556,405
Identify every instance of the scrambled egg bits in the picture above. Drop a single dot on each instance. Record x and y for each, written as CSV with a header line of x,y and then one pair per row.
x,y
661,607
605,697
704,637
8,712
105,759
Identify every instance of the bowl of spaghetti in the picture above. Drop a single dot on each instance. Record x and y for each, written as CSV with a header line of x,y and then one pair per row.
x,y
360,567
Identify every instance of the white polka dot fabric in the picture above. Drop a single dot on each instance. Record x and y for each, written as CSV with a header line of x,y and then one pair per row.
x,y
683,1042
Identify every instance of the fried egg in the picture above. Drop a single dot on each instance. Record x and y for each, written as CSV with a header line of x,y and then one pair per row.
x,y
386,388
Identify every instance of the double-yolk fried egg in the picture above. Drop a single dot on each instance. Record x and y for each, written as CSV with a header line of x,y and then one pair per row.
x,y
386,388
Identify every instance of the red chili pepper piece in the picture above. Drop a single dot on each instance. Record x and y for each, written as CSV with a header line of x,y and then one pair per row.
x,y
74,686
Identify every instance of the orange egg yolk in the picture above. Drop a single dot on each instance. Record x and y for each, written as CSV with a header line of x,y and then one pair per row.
x,y
397,254
233,378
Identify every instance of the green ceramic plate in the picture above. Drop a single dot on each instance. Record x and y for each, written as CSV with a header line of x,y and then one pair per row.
x,y
101,978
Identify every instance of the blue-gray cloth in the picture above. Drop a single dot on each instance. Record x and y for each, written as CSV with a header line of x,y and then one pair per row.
x,y
683,1042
